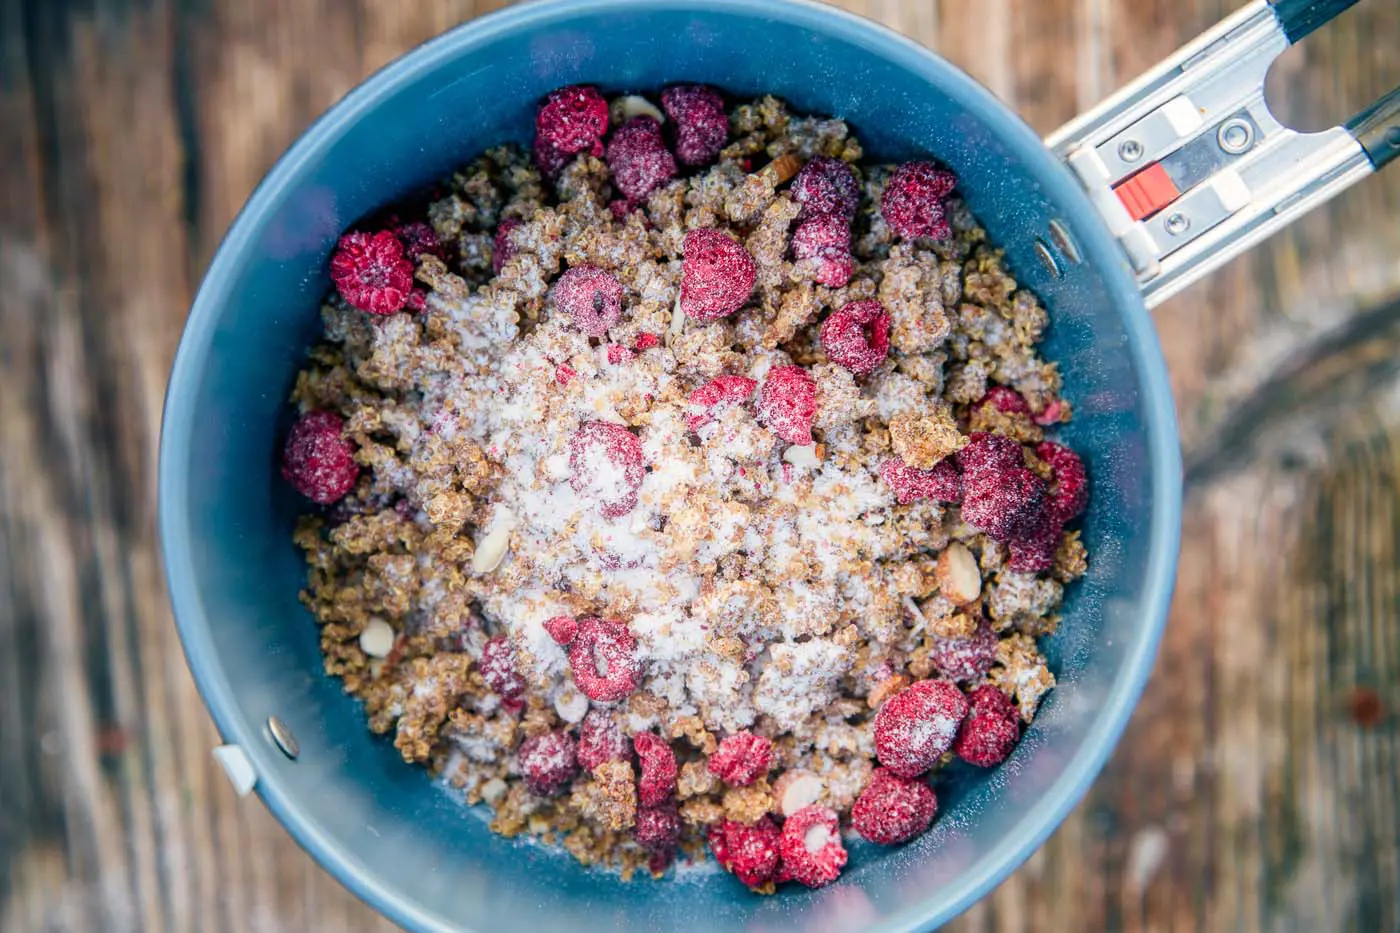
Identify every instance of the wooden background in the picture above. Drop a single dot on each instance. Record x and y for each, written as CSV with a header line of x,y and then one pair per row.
x,y
1256,788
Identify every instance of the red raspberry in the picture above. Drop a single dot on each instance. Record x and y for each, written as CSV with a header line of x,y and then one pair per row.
x,y
603,655
716,397
717,275
913,202
750,853
1006,504
943,483
893,809
564,373
619,355
572,120
964,659
605,461
548,763
787,403
497,666
991,730
590,296
1069,494
419,240
826,185
562,629
646,341
917,725
742,758
857,336
371,272
989,452
504,249
1007,400
600,740
620,208
658,828
1034,550
658,763
810,847
826,237
317,460
638,158
701,125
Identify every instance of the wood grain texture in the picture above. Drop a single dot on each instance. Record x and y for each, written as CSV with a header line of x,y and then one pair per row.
x,y
1245,796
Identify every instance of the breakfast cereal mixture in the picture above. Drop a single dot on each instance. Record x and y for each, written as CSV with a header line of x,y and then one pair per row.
x,y
683,484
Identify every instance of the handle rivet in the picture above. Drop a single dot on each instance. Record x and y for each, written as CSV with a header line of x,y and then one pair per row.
x,y
1177,223
1047,258
1130,150
283,737
1236,136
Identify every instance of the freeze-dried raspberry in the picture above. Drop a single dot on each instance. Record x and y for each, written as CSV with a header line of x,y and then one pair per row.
x,y
1006,503
826,185
562,628
810,847
716,397
658,828
658,769
317,460
548,763
857,336
717,274
701,125
742,758
371,272
964,659
564,373
893,809
603,655
917,725
1069,492
1006,400
605,463
989,452
787,403
1034,551
600,740
591,297
942,483
572,120
991,730
619,355
497,666
503,249
826,238
1054,412
750,853
639,160
646,341
419,240
913,204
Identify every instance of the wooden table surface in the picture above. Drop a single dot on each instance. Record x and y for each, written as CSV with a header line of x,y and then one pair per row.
x,y
1256,789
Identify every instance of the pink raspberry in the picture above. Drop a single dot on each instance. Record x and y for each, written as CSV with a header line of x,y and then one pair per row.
x,y
717,275
605,463
497,666
548,763
857,336
701,125
600,740
716,397
893,809
913,204
618,355
318,460
1034,551
639,160
1054,412
1069,494
991,730
827,238
503,249
371,272
787,403
591,297
419,240
810,847
989,452
826,185
646,341
572,120
603,655
564,374
658,763
943,483
1006,504
750,853
562,629
658,829
917,725
742,758
964,659
1006,400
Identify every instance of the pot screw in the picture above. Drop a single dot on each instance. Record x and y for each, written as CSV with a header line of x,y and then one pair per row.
x,y
1235,136
1177,223
1130,150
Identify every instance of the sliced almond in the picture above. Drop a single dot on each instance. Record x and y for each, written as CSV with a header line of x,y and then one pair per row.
x,y
958,576
803,456
677,321
886,689
377,638
571,705
782,168
493,790
634,105
491,549
796,789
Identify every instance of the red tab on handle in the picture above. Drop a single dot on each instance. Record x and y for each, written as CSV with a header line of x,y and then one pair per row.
x,y
1147,192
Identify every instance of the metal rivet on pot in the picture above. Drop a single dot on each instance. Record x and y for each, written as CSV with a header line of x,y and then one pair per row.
x,y
1235,136
1177,224
283,737
1065,243
1047,258
1130,150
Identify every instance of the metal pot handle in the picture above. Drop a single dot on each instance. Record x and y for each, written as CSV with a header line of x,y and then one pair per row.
x,y
1188,166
